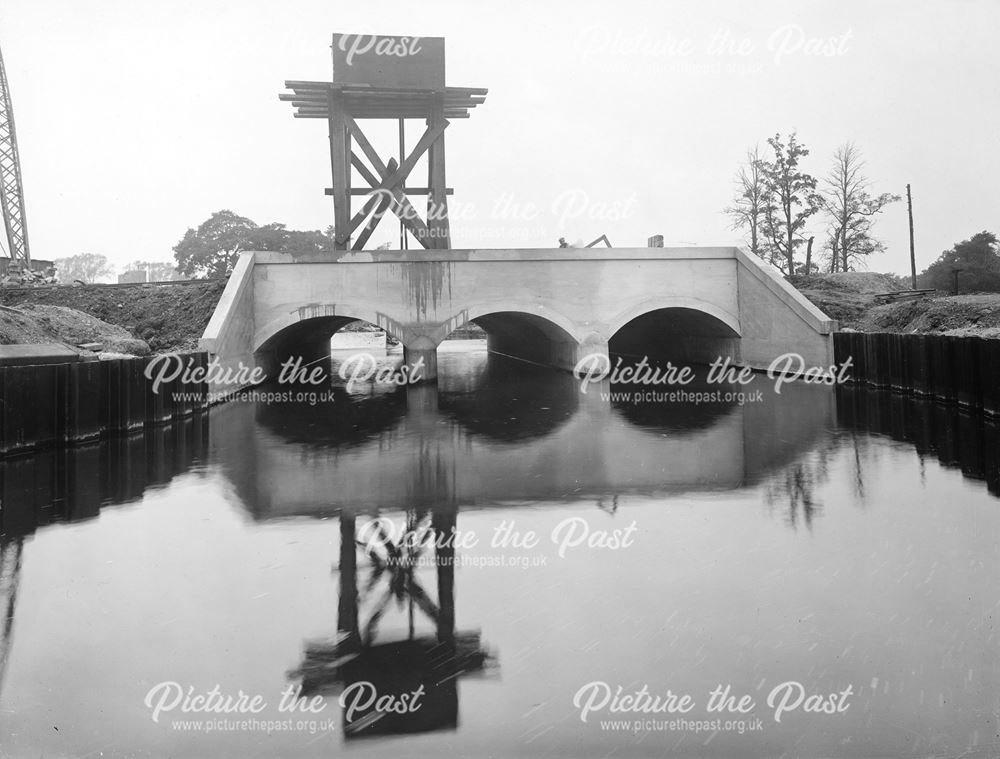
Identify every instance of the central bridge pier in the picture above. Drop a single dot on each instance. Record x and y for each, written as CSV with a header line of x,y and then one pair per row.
x,y
549,306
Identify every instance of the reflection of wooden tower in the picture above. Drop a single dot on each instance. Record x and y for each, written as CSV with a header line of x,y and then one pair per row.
x,y
10,576
368,84
397,665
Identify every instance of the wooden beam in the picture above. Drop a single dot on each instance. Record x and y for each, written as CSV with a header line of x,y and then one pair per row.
x,y
373,221
365,172
366,147
391,179
374,198
323,115
428,138
437,201
411,220
340,169
305,84
362,191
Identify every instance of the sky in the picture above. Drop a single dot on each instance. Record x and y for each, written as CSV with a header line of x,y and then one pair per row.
x,y
137,120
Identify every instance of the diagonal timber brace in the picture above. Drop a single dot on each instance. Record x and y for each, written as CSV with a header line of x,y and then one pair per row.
x,y
387,189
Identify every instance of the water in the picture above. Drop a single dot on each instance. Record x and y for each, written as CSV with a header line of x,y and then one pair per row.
x,y
836,542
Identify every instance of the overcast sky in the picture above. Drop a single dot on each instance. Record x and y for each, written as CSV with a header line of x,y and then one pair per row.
x,y
137,120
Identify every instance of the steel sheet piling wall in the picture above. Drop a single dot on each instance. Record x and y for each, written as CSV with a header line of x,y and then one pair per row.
x,y
70,483
989,376
957,437
83,403
966,353
920,367
53,404
958,370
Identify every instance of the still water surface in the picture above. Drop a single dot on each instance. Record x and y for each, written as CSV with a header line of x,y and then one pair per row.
x,y
835,540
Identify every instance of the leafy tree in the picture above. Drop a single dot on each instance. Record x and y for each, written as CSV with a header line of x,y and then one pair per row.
x,y
310,242
213,248
276,237
791,199
978,261
747,210
83,267
850,210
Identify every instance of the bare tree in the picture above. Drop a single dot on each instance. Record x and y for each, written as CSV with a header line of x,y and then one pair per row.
x,y
850,210
747,211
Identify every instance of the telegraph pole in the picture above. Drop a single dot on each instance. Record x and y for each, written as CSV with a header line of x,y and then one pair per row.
x,y
913,259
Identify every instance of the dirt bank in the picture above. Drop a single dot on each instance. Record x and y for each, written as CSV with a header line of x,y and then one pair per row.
x,y
846,296
950,315
169,317
851,299
72,328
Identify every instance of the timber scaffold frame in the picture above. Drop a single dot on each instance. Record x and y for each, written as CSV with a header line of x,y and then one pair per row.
x,y
343,105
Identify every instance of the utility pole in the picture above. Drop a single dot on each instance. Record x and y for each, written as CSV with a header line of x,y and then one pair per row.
x,y
913,258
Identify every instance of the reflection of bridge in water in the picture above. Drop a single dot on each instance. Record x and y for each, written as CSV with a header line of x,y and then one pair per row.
x,y
423,448
510,433
432,455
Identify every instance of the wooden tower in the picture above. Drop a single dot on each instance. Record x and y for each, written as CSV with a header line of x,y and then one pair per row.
x,y
380,77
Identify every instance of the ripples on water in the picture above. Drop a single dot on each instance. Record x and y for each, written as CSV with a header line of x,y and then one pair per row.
x,y
833,539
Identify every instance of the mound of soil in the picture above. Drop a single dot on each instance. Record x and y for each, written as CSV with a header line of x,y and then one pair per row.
x,y
169,317
58,324
846,296
850,298
955,314
852,281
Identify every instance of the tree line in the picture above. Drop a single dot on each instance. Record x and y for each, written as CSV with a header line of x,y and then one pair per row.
x,y
776,199
970,265
94,267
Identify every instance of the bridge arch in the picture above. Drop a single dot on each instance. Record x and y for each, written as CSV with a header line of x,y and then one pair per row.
x,y
347,312
674,301
526,331
306,331
680,329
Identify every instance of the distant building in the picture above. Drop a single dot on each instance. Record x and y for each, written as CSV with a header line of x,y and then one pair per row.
x,y
153,271
37,264
135,275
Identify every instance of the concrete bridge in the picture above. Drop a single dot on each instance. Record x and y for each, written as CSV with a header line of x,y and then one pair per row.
x,y
549,306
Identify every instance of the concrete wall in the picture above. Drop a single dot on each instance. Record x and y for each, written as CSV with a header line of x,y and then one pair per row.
x,y
550,306
776,318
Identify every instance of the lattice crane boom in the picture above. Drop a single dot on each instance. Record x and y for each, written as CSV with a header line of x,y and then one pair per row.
x,y
11,188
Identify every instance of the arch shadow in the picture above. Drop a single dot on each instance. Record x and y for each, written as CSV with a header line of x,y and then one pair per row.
x,y
305,336
678,334
510,402
536,335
